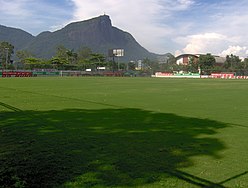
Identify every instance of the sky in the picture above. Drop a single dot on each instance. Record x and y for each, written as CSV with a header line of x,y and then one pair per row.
x,y
218,27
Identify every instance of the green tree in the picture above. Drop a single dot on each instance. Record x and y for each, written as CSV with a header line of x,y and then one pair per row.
x,y
97,59
62,55
245,63
71,56
152,65
232,62
6,51
84,54
245,66
172,60
22,55
31,63
83,57
206,63
65,56
55,61
131,65
193,64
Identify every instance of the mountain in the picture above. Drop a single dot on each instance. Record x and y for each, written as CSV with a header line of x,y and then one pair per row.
x,y
96,33
16,37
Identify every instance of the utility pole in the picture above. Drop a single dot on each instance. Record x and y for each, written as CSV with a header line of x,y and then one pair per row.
x,y
7,57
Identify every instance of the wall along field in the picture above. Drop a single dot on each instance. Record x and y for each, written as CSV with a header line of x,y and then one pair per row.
x,y
123,132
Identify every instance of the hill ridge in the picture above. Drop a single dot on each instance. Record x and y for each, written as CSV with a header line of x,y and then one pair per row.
x,y
96,33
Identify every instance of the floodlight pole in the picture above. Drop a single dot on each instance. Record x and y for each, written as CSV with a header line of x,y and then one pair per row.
x,y
7,54
113,63
118,64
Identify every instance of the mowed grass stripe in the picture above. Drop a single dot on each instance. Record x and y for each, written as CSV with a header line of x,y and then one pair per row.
x,y
10,107
45,95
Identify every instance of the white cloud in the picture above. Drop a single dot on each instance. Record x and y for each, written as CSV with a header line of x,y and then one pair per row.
x,y
235,50
200,43
222,27
184,4
213,43
31,15
141,18
14,8
158,24
177,53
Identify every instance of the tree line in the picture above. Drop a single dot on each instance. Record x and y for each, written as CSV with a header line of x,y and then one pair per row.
x,y
206,64
84,58
64,59
6,51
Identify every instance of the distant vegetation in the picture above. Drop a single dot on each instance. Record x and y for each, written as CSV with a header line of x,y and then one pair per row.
x,y
84,58
207,65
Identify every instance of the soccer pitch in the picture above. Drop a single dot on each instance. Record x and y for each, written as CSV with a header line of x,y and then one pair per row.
x,y
123,132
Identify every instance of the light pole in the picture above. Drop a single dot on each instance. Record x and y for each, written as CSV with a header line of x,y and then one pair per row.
x,y
7,54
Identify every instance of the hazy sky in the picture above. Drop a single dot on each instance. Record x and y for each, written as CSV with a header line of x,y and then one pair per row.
x,y
219,27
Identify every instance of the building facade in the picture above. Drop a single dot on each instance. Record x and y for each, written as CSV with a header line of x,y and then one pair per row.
x,y
184,59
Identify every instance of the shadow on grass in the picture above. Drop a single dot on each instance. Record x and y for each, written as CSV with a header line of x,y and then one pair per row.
x,y
107,147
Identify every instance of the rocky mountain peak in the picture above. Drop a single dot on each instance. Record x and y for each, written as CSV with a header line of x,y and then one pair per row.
x,y
96,33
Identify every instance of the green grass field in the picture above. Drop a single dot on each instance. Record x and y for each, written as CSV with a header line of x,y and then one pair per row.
x,y
123,132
